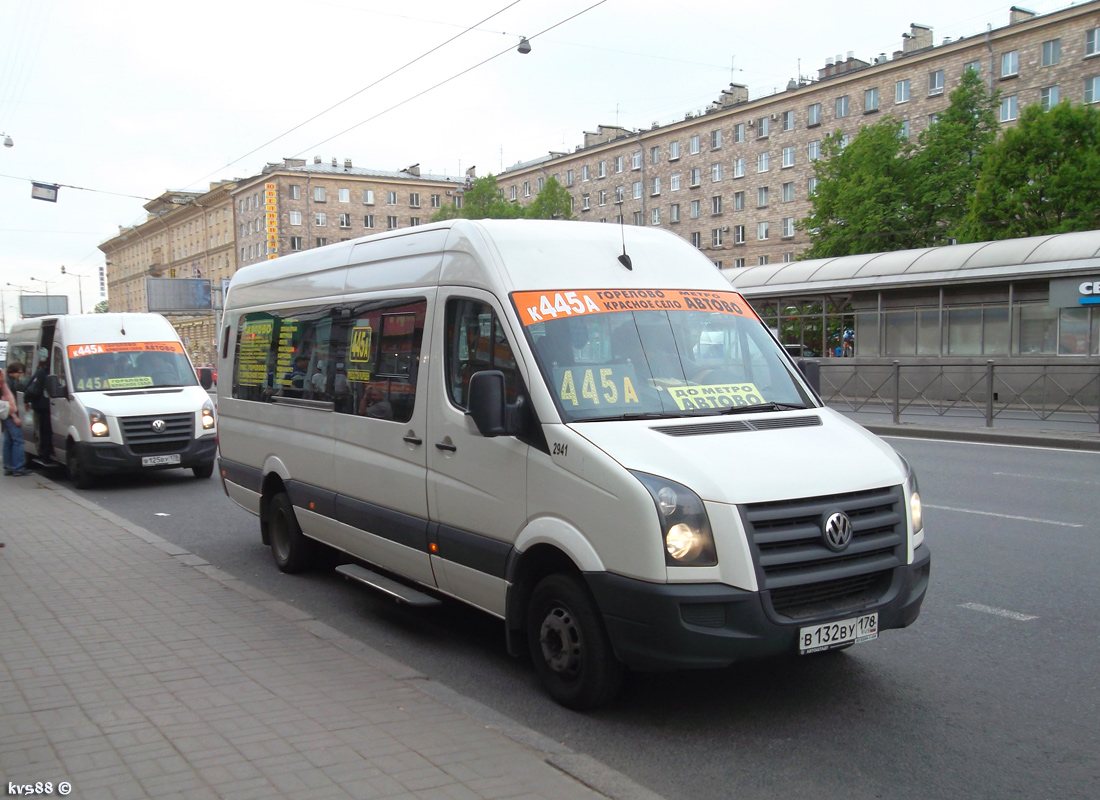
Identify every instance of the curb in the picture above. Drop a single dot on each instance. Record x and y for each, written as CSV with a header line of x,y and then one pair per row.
x,y
1048,439
581,768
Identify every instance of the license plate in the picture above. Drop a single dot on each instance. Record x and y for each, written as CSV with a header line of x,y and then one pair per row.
x,y
157,461
837,634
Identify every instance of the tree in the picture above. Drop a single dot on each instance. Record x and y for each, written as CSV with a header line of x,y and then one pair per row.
x,y
1043,176
862,202
947,163
552,202
100,307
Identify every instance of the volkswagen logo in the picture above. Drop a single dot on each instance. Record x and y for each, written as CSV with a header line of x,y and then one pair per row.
x,y
837,531
159,426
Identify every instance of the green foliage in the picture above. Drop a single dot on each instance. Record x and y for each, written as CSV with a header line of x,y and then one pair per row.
x,y
100,307
1043,176
862,202
484,200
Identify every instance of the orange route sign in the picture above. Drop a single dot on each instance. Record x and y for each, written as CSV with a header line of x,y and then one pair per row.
x,y
77,350
540,306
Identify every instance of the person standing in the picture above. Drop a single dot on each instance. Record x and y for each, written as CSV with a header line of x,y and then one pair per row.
x,y
35,397
15,462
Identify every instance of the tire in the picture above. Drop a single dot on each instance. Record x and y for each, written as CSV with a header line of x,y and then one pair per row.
x,y
76,472
203,470
569,644
292,551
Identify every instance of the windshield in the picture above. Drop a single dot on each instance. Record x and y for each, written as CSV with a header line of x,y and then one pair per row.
x,y
129,365
618,354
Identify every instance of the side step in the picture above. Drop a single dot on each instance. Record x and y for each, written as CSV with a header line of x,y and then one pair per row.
x,y
398,591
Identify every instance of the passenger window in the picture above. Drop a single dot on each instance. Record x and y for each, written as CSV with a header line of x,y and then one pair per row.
x,y
285,354
377,352
476,342
58,367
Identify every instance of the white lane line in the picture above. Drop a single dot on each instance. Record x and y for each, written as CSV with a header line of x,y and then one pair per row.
x,y
1005,516
1046,478
1000,612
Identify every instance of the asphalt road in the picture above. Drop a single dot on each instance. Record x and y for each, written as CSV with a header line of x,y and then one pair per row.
x,y
993,693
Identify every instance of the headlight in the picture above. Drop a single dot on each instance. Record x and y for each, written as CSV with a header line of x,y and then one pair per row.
x,y
916,512
685,527
98,422
207,416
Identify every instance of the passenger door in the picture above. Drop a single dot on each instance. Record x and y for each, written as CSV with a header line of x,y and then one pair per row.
x,y
380,428
477,486
59,405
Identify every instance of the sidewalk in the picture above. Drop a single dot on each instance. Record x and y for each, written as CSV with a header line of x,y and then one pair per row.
x,y
1069,432
130,668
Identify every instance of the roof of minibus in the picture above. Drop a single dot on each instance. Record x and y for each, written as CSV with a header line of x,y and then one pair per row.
x,y
120,327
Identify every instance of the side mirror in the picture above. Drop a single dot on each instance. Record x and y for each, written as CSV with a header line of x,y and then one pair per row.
x,y
54,387
811,371
206,378
487,403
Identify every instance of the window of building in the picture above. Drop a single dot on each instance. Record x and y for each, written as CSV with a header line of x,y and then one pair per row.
x,y
1010,64
813,150
695,176
601,197
368,220
655,217
693,144
716,204
414,221
674,182
715,139
295,243
716,172
811,187
788,227
739,132
788,156
368,197
345,220
414,200
636,160
739,234
391,198
788,192
437,201
904,134
762,229
601,169
1092,89
458,202
901,91
321,241
295,217
619,194
584,173
673,150
1092,42
618,164
318,194
1048,97
716,237
674,212
655,185
513,193
842,106
636,188
391,223
638,220
655,155
697,240
762,197
569,177
320,219
1052,52
763,127
586,202
935,82
738,263
763,161
788,120
696,209
738,201
870,100
973,66
739,167
813,115
1008,108
295,192
343,195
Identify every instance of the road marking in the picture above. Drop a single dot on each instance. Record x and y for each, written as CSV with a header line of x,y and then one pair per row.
x,y
1046,478
1000,612
1005,516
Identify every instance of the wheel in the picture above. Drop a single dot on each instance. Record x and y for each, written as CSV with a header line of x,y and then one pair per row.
x,y
203,470
76,472
292,551
569,645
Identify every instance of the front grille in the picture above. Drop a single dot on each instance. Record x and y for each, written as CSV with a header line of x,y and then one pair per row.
x,y
802,576
138,433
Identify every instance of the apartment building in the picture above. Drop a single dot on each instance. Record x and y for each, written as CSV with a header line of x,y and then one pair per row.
x,y
735,178
296,206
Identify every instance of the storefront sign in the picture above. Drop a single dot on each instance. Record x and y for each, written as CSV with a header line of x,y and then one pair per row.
x,y
1075,292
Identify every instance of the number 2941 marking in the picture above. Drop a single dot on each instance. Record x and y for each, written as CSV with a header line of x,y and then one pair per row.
x,y
561,449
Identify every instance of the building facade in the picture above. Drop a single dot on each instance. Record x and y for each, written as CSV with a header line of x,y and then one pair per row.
x,y
736,178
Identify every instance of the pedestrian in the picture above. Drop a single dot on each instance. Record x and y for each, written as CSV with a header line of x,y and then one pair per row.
x,y
36,399
15,461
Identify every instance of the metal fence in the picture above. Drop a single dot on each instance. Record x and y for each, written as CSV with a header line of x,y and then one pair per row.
x,y
994,390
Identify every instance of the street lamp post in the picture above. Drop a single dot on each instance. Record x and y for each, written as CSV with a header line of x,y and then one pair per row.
x,y
79,285
43,280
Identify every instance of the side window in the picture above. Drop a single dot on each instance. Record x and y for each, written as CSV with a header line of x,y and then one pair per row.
x,y
476,342
377,351
58,366
22,354
285,354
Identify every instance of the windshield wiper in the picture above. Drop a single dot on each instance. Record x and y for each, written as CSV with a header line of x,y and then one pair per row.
x,y
632,415
762,407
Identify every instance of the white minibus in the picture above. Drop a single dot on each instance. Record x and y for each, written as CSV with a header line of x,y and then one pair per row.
x,y
121,392
580,429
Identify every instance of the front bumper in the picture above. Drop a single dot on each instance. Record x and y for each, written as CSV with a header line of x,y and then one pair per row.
x,y
679,626
102,458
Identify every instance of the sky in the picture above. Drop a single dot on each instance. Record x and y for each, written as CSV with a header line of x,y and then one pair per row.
x,y
119,101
